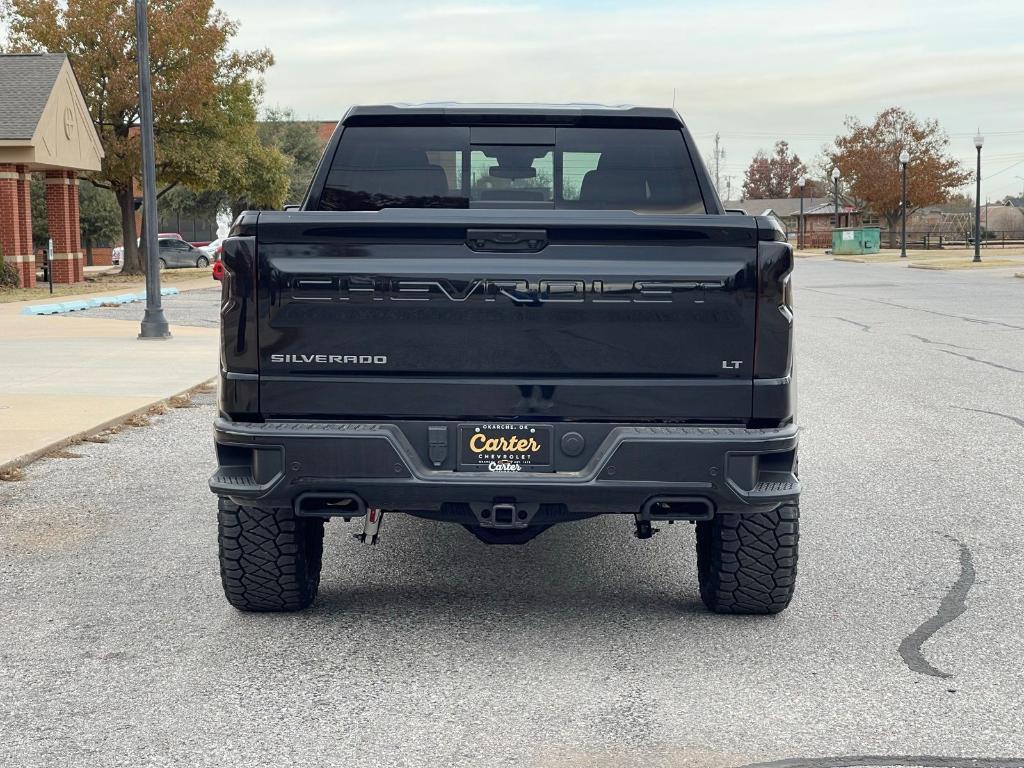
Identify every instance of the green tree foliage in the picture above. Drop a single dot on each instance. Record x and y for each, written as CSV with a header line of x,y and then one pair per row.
x,y
279,132
40,226
99,217
205,96
296,140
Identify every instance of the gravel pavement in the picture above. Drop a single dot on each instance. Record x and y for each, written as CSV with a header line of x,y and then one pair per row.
x,y
194,307
586,647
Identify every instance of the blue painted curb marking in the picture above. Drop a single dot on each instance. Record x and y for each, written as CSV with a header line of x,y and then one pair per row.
x,y
43,309
99,301
73,306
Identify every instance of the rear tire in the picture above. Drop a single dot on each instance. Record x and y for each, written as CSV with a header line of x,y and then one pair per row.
x,y
269,558
746,564
163,264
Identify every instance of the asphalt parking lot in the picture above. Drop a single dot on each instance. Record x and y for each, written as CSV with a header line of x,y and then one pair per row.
x,y
194,307
586,647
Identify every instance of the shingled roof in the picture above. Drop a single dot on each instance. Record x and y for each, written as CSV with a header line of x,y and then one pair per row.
x,y
26,82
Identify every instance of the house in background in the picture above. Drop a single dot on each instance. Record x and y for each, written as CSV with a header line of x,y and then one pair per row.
x,y
45,128
1003,221
818,215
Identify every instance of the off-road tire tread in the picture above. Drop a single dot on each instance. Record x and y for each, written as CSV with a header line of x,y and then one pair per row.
x,y
746,564
269,558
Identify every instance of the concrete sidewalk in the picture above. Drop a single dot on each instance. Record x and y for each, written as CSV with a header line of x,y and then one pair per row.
x,y
68,377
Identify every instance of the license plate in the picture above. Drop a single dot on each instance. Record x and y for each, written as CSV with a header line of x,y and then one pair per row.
x,y
503,448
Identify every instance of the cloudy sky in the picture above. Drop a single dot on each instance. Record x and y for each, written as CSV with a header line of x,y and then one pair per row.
x,y
752,70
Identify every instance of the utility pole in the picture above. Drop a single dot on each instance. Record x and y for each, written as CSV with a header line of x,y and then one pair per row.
x,y
719,156
154,324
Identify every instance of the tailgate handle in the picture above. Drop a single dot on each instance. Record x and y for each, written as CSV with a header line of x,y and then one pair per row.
x,y
507,240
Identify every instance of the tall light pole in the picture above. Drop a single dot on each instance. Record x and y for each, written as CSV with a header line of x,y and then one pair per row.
x,y
979,141
800,230
904,159
154,324
835,194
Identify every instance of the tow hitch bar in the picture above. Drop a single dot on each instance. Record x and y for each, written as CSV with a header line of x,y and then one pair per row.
x,y
371,526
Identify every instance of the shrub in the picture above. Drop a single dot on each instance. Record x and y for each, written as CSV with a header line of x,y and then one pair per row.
x,y
8,274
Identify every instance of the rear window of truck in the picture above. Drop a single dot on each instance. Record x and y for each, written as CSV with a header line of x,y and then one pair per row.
x,y
644,170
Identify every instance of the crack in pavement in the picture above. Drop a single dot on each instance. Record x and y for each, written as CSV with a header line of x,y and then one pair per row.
x,y
916,761
951,607
938,343
1015,419
862,326
983,362
917,309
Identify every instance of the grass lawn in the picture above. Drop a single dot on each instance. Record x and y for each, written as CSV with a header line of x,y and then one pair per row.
x,y
115,283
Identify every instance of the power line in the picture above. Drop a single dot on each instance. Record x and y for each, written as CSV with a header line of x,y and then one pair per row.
x,y
1007,168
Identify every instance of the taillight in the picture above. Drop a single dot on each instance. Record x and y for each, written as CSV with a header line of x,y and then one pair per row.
x,y
773,335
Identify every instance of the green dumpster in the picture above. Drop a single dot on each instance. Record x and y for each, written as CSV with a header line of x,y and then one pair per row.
x,y
856,240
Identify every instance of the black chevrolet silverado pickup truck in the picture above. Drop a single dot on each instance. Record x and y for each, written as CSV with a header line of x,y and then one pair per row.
x,y
507,317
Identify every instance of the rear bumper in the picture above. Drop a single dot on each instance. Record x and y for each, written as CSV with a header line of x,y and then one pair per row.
x,y
276,463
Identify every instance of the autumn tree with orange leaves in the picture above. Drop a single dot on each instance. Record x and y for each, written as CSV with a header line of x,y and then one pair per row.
x,y
867,156
206,96
775,176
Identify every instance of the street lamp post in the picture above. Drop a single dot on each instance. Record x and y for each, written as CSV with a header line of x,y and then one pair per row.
x,y
835,194
154,324
800,231
904,159
979,140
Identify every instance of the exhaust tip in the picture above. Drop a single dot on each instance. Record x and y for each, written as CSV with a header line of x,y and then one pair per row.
x,y
692,508
320,504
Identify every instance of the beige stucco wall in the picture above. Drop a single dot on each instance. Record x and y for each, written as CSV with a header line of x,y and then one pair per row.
x,y
65,136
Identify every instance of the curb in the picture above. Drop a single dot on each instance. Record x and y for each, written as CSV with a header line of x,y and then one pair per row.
x,y
74,306
959,266
32,456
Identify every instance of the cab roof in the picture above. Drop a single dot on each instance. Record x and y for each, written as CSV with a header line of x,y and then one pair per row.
x,y
457,113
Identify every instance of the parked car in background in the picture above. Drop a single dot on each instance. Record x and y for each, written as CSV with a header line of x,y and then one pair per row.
x,y
176,253
214,249
117,254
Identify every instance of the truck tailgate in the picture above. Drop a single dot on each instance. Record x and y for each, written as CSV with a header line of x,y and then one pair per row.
x,y
498,313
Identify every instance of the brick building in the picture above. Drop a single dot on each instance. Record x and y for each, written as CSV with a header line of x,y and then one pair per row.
x,y
819,216
44,128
